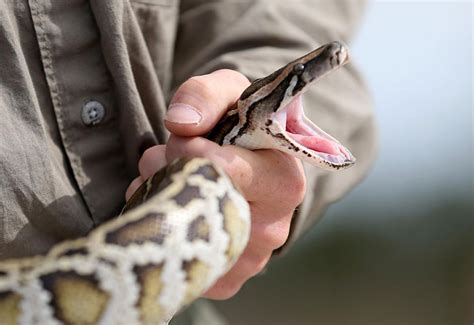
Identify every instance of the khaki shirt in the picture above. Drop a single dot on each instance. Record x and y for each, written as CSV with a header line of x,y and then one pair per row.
x,y
84,86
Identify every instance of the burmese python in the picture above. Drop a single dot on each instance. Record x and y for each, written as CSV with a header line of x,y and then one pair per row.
x,y
182,229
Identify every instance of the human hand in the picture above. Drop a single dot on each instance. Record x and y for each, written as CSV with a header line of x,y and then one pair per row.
x,y
272,182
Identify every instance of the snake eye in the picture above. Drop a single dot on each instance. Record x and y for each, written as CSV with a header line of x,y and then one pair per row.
x,y
298,68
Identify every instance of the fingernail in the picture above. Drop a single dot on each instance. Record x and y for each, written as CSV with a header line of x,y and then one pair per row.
x,y
183,114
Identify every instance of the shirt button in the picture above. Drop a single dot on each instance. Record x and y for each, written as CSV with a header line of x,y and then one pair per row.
x,y
92,112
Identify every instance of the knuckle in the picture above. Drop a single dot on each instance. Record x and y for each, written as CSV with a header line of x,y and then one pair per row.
x,y
273,235
251,265
297,189
153,159
146,157
224,289
238,77
238,169
259,263
233,287
293,186
199,85
277,240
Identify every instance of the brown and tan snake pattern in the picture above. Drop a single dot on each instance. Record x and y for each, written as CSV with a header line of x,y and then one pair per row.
x,y
182,229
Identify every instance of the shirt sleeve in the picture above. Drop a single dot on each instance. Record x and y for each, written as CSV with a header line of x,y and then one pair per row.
x,y
256,37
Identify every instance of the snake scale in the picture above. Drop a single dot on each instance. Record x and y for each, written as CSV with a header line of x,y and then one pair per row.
x,y
182,229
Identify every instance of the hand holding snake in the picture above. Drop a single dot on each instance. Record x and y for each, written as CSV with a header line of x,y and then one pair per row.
x,y
272,195
186,225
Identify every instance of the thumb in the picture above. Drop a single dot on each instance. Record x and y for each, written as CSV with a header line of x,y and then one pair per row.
x,y
200,102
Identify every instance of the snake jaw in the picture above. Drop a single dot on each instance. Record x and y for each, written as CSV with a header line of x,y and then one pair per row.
x,y
308,140
299,135
270,113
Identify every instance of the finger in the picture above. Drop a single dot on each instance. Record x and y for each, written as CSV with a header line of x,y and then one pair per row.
x,y
133,187
200,102
152,160
248,265
256,173
269,231
239,170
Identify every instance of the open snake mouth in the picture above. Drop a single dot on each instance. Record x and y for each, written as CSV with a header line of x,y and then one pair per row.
x,y
256,122
305,136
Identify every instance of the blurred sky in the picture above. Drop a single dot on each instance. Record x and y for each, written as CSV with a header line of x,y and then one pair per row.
x,y
417,60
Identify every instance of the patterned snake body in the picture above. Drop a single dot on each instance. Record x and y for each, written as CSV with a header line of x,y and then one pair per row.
x,y
182,229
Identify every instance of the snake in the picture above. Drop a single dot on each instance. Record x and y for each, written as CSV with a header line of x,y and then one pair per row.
x,y
183,228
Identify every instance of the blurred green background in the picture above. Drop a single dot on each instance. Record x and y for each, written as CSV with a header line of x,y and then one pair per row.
x,y
400,248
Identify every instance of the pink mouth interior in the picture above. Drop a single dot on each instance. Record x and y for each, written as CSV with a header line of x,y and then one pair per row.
x,y
307,135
